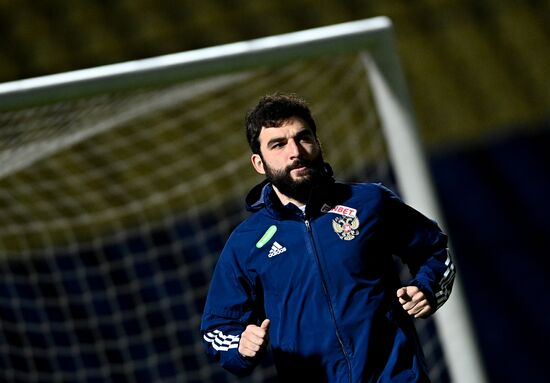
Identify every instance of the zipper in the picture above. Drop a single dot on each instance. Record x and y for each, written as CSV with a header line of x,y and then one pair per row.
x,y
325,290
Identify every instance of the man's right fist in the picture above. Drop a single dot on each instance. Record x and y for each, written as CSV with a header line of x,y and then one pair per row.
x,y
254,339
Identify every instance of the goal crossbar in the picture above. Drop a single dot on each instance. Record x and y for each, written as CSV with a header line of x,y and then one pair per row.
x,y
161,70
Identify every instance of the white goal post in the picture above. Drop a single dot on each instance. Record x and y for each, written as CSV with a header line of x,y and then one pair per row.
x,y
374,38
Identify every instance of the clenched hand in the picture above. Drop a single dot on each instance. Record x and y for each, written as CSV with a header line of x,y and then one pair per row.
x,y
254,339
414,301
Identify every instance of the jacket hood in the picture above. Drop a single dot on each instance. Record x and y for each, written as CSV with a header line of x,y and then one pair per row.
x,y
258,196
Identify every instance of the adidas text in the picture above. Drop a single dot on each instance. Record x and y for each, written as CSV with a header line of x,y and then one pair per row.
x,y
276,249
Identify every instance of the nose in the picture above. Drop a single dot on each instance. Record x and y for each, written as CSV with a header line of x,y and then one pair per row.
x,y
294,148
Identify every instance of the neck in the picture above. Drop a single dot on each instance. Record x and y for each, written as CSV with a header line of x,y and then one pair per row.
x,y
286,200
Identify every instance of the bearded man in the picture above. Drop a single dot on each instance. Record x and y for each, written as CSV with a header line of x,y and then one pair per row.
x,y
310,273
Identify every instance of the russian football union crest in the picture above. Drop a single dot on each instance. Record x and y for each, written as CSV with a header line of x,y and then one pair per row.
x,y
346,227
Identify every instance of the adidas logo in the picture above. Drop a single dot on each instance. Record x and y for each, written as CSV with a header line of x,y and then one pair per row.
x,y
276,249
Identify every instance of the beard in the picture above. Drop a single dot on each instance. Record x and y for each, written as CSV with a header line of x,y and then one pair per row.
x,y
300,188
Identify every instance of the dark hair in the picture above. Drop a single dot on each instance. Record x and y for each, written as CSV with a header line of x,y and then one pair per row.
x,y
272,111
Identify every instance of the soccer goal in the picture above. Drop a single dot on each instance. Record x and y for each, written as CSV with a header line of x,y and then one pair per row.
x,y
119,185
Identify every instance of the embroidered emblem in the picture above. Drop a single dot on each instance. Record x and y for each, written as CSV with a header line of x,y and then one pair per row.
x,y
346,227
276,249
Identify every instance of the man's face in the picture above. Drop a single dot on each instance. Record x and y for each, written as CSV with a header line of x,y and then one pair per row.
x,y
291,158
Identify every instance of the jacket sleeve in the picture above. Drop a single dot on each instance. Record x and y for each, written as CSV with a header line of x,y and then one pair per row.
x,y
422,246
228,310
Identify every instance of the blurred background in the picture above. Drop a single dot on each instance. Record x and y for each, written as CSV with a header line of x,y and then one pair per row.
x,y
478,74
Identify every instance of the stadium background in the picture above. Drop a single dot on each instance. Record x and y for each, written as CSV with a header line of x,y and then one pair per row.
x,y
478,73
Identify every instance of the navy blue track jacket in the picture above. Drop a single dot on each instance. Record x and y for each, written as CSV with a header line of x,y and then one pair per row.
x,y
327,281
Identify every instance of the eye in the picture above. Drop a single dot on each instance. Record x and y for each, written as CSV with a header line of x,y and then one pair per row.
x,y
306,137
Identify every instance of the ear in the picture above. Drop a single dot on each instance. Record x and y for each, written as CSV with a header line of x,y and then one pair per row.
x,y
257,163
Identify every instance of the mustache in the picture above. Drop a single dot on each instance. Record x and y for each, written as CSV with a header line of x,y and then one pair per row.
x,y
299,163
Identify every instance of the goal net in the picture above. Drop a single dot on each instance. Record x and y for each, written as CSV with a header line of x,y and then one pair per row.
x,y
115,206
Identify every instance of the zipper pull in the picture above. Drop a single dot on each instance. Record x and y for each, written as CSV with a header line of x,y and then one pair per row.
x,y
308,225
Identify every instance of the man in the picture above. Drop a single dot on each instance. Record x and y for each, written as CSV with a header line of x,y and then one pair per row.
x,y
312,267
